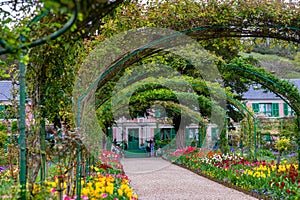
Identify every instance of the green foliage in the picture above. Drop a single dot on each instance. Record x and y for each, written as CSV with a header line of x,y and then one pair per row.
x,y
3,138
266,152
281,66
283,144
3,127
14,127
283,49
224,141
9,188
185,15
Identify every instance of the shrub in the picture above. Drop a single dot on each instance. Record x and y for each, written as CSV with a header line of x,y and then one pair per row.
x,y
14,127
3,138
3,127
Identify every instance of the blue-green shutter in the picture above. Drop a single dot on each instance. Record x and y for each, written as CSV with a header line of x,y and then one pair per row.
x,y
2,111
172,133
285,109
275,109
255,107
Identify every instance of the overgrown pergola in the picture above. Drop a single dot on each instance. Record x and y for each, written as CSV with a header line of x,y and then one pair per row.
x,y
217,20
201,21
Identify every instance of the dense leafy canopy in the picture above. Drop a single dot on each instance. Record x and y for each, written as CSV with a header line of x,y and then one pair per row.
x,y
216,25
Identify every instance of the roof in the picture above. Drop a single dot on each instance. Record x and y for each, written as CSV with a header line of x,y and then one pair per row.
x,y
5,91
255,93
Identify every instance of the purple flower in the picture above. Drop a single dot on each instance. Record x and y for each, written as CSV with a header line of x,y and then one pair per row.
x,y
2,168
290,155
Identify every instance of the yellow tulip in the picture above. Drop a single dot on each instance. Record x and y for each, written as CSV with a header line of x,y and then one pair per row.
x,y
129,194
120,192
263,175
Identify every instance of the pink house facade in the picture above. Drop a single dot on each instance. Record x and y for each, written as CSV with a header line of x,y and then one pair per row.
x,y
268,104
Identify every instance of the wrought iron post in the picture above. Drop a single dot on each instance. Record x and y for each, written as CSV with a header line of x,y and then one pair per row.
x,y
87,168
78,174
22,98
43,149
22,126
200,137
298,139
255,138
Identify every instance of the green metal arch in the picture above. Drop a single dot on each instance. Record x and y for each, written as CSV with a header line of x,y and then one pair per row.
x,y
146,50
67,26
120,62
268,83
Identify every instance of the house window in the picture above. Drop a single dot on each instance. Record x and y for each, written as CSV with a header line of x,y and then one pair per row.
x,y
194,134
266,109
165,133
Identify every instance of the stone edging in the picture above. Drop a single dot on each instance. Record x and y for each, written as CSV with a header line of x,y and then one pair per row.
x,y
229,185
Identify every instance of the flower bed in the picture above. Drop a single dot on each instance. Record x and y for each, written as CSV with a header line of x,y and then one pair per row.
x,y
258,177
106,180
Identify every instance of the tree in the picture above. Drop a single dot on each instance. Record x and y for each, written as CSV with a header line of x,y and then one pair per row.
x,y
51,68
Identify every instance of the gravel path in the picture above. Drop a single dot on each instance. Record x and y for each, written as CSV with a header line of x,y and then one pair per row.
x,y
157,179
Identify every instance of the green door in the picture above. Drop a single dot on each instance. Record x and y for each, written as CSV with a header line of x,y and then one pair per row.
x,y
133,138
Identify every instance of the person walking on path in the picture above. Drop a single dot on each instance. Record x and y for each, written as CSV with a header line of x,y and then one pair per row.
x,y
151,146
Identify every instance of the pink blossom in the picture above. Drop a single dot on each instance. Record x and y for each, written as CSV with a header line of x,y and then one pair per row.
x,y
104,195
66,197
84,197
6,196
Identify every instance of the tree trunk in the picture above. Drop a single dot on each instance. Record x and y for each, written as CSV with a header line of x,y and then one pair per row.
x,y
278,160
180,139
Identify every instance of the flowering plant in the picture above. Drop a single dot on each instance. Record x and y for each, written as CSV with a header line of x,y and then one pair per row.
x,y
261,177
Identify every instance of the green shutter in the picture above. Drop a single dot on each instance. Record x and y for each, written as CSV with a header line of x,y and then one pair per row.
x,y
2,111
275,109
172,133
255,107
285,109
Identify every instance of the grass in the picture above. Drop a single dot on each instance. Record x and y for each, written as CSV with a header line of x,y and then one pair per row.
x,y
282,66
